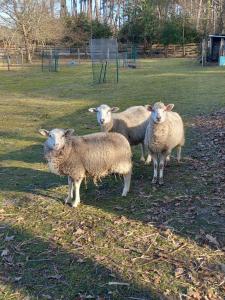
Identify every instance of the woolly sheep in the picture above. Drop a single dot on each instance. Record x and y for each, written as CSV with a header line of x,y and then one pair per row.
x,y
131,123
94,155
164,132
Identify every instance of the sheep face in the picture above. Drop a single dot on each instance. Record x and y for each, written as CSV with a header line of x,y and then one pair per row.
x,y
158,111
104,113
56,137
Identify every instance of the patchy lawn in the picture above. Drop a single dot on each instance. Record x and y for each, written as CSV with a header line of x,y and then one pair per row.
x,y
160,242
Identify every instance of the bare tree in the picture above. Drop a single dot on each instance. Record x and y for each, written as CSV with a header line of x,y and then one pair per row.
x,y
63,8
31,20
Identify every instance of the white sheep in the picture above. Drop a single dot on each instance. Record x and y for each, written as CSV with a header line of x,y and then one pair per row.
x,y
131,123
164,132
94,155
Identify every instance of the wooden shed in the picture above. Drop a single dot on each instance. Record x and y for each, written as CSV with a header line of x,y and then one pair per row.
x,y
216,47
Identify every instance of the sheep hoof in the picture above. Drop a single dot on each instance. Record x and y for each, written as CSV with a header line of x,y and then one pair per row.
x,y
154,180
147,162
75,204
142,159
161,182
124,194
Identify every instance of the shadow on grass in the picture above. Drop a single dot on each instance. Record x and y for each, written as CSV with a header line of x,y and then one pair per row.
x,y
30,154
41,269
19,179
18,135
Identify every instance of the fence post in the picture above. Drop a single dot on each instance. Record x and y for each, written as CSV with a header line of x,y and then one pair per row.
x,y
42,60
21,56
78,55
8,61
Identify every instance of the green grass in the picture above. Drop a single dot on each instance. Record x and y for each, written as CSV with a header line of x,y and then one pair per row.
x,y
154,240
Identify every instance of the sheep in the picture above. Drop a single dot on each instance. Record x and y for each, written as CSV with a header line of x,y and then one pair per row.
x,y
94,155
164,132
131,123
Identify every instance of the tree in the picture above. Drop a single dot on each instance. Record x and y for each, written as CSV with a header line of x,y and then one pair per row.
x,y
31,20
79,29
142,25
9,38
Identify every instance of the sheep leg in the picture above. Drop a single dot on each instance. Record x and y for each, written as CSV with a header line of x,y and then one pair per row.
x,y
167,160
155,164
77,192
127,179
142,152
70,190
178,153
162,159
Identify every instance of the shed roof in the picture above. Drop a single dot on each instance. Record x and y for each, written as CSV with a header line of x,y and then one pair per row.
x,y
216,35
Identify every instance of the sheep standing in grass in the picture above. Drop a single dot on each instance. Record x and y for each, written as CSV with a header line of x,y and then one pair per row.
x,y
131,123
94,155
165,131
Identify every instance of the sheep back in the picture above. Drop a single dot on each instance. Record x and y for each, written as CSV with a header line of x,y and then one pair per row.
x,y
132,123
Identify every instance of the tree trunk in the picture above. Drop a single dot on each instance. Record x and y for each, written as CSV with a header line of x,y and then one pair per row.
x,y
199,15
28,56
89,9
52,7
74,7
63,8
96,10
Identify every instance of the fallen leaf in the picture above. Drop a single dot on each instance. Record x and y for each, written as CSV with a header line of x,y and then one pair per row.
x,y
212,240
79,231
9,238
179,272
99,257
17,278
46,296
5,252
118,283
195,295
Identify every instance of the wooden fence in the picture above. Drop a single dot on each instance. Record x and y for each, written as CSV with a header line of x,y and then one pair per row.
x,y
159,50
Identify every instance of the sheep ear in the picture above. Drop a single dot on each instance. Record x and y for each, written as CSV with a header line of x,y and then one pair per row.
x,y
148,107
169,107
69,132
93,109
114,109
44,132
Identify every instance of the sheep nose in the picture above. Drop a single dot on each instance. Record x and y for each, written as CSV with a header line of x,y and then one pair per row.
x,y
158,119
102,121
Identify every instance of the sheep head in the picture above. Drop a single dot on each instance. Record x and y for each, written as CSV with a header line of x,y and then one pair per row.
x,y
104,113
158,111
56,137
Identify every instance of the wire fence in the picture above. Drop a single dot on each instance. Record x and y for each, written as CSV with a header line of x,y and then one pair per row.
x,y
127,55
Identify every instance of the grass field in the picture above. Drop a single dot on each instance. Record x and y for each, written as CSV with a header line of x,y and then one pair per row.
x,y
160,242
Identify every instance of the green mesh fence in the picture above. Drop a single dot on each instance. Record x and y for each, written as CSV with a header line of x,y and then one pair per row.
x,y
50,61
105,64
